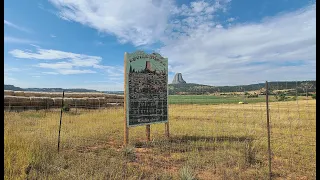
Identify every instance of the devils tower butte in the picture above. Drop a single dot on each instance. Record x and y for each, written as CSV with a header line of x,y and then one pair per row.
x,y
178,79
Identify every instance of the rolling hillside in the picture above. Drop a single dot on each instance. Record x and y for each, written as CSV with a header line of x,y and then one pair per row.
x,y
191,88
194,89
14,88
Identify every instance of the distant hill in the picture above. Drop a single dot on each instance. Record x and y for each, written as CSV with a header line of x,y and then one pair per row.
x,y
191,88
14,88
113,92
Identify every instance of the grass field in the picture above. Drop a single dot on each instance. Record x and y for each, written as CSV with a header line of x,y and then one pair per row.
x,y
225,141
210,99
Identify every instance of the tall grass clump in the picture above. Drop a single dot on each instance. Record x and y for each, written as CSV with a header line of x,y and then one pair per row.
x,y
186,173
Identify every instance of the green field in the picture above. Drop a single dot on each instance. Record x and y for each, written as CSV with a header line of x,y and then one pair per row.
x,y
205,99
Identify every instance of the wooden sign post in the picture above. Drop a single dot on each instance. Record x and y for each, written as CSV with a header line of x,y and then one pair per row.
x,y
145,91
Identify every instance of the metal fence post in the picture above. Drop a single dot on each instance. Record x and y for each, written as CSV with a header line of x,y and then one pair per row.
x,y
268,127
60,121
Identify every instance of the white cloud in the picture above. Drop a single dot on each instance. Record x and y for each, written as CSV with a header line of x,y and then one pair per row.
x,y
221,56
70,60
58,65
36,46
8,39
69,63
113,71
138,21
199,46
52,35
66,71
198,15
219,26
231,19
74,71
10,24
51,73
125,19
50,54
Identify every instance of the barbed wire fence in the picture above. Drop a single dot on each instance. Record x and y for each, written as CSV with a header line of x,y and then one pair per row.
x,y
293,133
212,136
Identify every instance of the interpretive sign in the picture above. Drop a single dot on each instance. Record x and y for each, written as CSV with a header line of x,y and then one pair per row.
x,y
146,79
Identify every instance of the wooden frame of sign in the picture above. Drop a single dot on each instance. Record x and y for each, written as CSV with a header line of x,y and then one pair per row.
x,y
145,91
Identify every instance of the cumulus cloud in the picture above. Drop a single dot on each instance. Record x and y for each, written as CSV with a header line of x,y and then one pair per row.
x,y
282,47
137,21
248,52
140,22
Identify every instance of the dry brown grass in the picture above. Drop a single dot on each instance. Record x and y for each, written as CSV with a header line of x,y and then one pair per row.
x,y
226,141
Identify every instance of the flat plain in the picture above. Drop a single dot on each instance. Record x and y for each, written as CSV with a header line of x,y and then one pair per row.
x,y
207,141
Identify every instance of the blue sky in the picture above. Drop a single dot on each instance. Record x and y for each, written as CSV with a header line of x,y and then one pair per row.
x,y
81,43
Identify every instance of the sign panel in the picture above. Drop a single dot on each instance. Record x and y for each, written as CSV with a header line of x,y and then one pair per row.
x,y
146,88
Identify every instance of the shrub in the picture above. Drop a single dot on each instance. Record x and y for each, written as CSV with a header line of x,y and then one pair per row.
x,y
252,96
313,96
129,153
281,96
66,108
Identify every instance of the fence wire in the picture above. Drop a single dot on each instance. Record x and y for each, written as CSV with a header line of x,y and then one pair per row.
x,y
212,136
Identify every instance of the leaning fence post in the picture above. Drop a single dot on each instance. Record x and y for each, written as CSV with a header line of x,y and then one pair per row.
x,y
268,127
60,121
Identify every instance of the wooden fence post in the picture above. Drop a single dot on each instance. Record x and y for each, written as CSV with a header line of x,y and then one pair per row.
x,y
126,129
167,130
148,132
